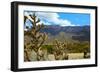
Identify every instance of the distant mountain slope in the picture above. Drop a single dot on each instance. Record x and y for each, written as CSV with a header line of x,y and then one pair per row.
x,y
81,33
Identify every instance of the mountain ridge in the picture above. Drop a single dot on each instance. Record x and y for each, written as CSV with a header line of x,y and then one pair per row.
x,y
81,33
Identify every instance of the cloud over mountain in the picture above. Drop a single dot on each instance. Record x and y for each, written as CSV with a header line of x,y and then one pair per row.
x,y
49,18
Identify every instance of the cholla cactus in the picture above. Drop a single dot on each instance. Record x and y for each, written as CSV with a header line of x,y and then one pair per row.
x,y
60,50
37,38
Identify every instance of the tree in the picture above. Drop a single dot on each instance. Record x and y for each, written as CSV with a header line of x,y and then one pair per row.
x,y
37,38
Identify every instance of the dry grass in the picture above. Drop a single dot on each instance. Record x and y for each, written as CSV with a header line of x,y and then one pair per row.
x,y
75,56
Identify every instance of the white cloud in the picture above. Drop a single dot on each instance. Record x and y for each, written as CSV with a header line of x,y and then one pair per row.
x,y
54,18
46,23
64,22
48,18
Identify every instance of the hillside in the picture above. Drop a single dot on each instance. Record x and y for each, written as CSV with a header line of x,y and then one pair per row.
x,y
80,33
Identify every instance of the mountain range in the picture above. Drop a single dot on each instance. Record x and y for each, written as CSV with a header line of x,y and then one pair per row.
x,y
80,33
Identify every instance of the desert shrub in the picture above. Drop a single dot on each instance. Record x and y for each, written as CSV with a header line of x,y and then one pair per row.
x,y
78,47
49,48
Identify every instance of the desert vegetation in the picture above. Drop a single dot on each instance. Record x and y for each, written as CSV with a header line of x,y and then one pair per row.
x,y
42,46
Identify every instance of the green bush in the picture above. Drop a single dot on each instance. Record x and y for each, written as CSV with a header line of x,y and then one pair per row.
x,y
49,48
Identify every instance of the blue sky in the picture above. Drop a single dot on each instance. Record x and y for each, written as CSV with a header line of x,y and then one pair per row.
x,y
76,18
62,19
